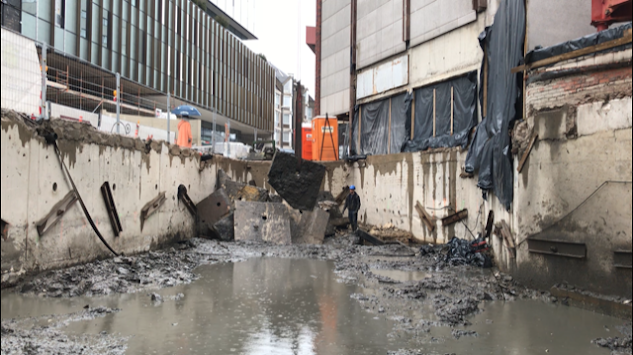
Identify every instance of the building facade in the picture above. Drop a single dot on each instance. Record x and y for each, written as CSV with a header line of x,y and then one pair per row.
x,y
162,46
405,73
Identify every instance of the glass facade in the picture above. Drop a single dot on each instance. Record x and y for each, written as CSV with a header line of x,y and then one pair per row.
x,y
168,45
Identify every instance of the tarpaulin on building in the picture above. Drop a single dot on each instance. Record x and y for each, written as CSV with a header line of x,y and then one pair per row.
x,y
439,106
490,154
578,43
383,126
400,115
374,128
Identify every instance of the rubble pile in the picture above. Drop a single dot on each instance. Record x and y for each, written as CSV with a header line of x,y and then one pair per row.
x,y
389,232
460,252
618,345
300,214
118,275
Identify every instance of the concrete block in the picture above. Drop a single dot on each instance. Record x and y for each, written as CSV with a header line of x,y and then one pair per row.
x,y
262,222
211,210
298,185
224,229
308,227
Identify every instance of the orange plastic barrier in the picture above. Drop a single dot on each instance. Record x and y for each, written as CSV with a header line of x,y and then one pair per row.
x,y
325,139
306,143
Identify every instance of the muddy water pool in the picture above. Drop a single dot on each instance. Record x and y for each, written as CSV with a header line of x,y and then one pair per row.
x,y
285,306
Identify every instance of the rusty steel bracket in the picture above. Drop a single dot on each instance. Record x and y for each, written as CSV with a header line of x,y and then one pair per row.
x,y
368,237
622,259
490,224
526,154
56,213
454,218
558,248
112,212
151,207
426,218
5,229
182,196
342,196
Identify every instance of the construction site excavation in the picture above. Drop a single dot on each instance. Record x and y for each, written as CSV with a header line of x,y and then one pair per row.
x,y
445,178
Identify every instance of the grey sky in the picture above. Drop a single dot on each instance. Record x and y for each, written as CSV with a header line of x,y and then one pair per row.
x,y
281,36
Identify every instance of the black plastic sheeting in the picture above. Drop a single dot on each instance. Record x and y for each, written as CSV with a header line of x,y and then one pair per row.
x,y
400,116
464,114
461,252
374,137
490,154
374,127
578,43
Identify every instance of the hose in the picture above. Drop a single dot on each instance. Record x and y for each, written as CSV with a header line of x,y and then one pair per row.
x,y
81,201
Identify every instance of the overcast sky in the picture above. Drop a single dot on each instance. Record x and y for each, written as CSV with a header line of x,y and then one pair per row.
x,y
280,26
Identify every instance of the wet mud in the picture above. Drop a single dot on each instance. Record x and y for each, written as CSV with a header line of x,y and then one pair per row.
x,y
431,306
45,335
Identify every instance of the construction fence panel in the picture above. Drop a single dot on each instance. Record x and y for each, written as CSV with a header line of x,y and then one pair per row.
x,y
21,75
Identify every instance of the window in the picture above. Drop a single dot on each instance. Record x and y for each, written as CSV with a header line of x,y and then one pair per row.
x,y
286,137
287,101
11,15
83,32
277,99
286,119
106,31
143,54
60,11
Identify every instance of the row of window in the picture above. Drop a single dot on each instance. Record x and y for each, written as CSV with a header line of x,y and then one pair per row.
x,y
173,38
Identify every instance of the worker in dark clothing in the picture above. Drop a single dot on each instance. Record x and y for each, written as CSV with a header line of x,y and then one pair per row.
x,y
353,204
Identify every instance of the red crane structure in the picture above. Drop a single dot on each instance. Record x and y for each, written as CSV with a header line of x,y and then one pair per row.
x,y
606,12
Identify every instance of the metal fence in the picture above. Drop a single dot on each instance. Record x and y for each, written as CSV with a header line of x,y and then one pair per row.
x,y
42,82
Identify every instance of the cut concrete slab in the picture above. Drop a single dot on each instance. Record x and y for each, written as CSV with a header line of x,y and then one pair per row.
x,y
223,229
308,227
262,222
312,227
298,184
211,210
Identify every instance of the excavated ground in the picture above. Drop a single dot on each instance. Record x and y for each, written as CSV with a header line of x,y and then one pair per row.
x,y
454,292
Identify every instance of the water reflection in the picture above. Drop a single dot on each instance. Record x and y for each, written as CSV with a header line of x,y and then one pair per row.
x,y
298,307
257,307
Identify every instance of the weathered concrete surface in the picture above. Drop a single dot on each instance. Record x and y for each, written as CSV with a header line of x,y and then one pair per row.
x,y
32,182
211,210
262,221
299,185
308,227
224,229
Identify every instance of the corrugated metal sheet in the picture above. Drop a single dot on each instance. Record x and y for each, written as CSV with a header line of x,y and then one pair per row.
x,y
383,77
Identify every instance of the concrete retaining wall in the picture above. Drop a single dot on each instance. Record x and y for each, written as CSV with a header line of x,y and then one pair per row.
x,y
32,183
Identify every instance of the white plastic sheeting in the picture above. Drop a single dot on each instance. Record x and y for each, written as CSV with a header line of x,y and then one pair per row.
x,y
21,76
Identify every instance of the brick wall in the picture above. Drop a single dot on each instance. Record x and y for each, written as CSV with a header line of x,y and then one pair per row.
x,y
580,86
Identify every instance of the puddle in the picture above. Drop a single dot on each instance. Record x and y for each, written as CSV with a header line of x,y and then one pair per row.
x,y
300,307
256,307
